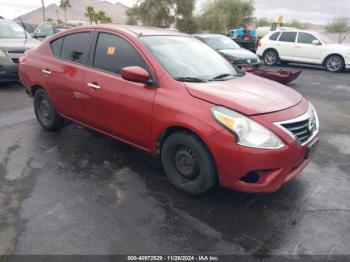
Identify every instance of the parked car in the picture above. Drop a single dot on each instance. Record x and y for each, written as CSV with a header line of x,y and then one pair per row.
x,y
230,50
14,41
245,37
45,30
172,96
27,26
299,46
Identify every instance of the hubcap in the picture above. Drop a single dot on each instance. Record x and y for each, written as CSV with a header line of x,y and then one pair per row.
x,y
270,58
334,64
44,110
186,163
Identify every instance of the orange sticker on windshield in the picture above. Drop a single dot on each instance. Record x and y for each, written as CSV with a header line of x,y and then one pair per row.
x,y
111,50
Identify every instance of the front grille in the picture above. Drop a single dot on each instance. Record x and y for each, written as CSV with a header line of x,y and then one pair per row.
x,y
245,62
300,130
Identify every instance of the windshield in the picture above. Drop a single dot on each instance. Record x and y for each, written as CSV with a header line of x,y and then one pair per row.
x,y
187,58
220,43
11,30
325,39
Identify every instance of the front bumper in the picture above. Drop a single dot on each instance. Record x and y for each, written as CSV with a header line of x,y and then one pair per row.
x,y
273,168
8,69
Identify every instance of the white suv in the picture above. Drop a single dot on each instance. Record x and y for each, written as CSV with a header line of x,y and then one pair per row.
x,y
303,47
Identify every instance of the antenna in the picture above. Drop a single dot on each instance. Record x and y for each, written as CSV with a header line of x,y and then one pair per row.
x,y
24,27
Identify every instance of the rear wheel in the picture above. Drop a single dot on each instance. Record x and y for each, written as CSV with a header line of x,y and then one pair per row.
x,y
188,163
334,64
45,112
271,57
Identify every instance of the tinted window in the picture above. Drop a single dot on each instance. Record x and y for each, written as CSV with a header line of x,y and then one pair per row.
x,y
113,53
76,47
305,38
288,37
56,46
274,36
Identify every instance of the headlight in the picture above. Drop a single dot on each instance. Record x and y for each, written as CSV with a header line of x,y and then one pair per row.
x,y
248,132
2,54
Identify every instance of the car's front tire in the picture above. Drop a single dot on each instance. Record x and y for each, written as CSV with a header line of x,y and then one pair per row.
x,y
271,57
335,64
45,112
188,163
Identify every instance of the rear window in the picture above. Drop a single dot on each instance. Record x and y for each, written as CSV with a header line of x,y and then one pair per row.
x,y
56,46
274,36
288,37
75,47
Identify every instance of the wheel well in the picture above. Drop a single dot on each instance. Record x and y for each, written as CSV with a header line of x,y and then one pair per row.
x,y
35,88
335,54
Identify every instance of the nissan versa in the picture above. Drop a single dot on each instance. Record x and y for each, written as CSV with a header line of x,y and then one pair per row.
x,y
171,95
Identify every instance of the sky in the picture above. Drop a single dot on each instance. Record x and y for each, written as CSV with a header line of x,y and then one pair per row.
x,y
313,11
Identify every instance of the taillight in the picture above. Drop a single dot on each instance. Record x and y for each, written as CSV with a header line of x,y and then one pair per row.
x,y
259,43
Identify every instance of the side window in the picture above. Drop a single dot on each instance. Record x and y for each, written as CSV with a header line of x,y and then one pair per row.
x,y
288,37
76,47
45,29
274,36
56,46
113,53
306,38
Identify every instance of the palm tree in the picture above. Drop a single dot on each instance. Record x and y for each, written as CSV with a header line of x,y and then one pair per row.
x,y
90,13
64,4
43,9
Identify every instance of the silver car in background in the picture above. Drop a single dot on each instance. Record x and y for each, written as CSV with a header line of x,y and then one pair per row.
x,y
14,41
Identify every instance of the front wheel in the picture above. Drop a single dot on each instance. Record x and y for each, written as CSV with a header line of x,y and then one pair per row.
x,y
271,57
188,163
45,112
334,64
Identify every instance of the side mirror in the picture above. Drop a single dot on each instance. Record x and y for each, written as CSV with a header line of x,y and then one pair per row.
x,y
38,35
316,42
136,74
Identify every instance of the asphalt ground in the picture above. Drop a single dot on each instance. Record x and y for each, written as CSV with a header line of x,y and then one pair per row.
x,y
78,192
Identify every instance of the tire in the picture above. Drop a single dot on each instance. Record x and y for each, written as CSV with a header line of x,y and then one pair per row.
x,y
188,163
334,64
271,57
45,112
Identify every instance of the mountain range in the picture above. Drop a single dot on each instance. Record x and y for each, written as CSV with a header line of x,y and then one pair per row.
x,y
76,12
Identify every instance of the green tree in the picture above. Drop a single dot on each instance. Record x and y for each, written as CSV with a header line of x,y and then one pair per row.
x,y
341,26
49,19
90,13
102,17
220,16
64,4
295,23
43,9
263,21
164,13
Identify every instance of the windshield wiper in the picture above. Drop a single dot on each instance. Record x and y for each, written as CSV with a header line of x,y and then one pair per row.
x,y
221,77
190,79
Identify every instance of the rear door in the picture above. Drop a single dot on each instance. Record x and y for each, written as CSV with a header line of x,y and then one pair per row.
x,y
305,51
65,72
286,45
118,107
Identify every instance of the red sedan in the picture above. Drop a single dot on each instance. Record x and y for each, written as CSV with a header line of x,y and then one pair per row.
x,y
168,94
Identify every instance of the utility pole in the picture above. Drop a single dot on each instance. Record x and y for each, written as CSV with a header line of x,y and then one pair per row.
x,y
58,20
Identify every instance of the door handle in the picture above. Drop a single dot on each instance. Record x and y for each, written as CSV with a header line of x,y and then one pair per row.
x,y
93,86
46,71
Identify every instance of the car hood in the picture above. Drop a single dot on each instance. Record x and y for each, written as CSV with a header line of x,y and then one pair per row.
x,y
342,48
10,44
249,94
238,53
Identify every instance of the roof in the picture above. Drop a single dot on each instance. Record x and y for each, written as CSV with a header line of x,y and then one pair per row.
x,y
138,30
209,35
